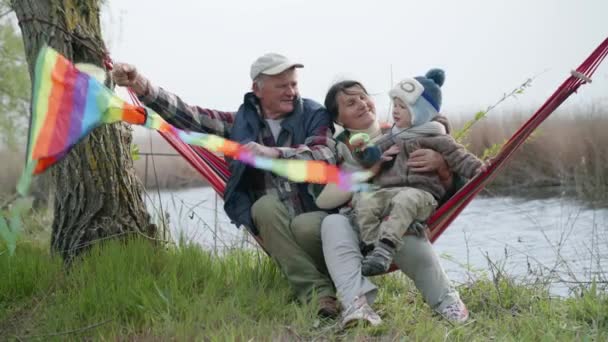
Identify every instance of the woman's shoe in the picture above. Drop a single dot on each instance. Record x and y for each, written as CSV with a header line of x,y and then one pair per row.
x,y
359,310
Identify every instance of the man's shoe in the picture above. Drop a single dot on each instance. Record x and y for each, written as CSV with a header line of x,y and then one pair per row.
x,y
328,307
359,311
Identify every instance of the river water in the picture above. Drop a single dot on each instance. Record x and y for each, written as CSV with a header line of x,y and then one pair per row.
x,y
556,237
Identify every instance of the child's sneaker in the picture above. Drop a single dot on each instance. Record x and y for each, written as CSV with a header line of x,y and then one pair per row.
x,y
359,310
378,261
456,313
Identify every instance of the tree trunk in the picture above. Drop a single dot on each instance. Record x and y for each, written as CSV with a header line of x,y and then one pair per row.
x,y
97,195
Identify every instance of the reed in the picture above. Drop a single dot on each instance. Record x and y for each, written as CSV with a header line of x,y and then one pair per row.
x,y
567,151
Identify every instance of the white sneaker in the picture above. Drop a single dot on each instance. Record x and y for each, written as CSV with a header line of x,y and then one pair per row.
x,y
360,310
456,313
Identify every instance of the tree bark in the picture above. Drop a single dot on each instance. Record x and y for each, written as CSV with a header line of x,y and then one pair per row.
x,y
97,195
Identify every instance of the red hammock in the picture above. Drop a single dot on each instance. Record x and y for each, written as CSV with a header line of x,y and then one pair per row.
x,y
215,170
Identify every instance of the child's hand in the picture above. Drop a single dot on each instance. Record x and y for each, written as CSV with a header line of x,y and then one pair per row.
x,y
358,145
359,141
484,167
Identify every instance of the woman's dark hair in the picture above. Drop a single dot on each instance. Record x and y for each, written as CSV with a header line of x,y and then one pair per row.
x,y
331,99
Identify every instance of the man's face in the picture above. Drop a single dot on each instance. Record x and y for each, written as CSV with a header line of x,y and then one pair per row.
x,y
277,93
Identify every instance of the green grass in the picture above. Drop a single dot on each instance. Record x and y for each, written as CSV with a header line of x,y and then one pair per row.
x,y
137,291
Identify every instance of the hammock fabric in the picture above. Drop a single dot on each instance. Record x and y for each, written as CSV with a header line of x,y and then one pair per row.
x,y
214,169
444,215
67,104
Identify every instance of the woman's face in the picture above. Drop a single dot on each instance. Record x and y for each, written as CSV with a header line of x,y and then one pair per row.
x,y
356,110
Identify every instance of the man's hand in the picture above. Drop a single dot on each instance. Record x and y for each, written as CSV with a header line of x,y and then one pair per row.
x,y
261,150
126,75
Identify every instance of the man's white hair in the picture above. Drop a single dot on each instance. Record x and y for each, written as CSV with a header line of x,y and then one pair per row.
x,y
259,80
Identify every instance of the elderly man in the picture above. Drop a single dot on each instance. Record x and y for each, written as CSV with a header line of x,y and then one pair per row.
x,y
273,121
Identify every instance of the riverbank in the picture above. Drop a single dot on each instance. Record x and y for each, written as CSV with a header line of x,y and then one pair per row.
x,y
137,291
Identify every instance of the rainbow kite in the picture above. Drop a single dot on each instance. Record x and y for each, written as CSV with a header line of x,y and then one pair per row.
x,y
67,104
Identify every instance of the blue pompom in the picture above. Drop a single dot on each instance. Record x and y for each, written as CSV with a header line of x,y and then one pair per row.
x,y
437,75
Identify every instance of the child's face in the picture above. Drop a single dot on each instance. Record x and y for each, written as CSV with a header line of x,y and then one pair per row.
x,y
401,114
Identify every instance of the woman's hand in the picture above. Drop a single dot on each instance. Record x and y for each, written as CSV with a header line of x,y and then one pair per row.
x,y
390,153
126,75
426,160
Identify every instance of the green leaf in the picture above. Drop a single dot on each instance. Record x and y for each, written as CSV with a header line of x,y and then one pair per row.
x,y
492,151
135,152
460,135
10,231
8,236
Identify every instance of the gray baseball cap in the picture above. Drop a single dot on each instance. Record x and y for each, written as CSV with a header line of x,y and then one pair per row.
x,y
272,64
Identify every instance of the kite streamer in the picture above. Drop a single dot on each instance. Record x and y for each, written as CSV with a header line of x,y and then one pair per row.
x,y
67,104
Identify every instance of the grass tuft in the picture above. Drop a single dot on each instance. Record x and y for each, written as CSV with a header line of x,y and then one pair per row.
x,y
136,290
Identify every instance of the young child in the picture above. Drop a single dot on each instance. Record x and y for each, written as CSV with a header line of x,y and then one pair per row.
x,y
384,215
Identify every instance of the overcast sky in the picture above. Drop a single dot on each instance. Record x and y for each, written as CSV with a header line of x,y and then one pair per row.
x,y
202,50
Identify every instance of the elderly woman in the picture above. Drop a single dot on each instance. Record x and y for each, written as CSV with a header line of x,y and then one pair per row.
x,y
351,107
